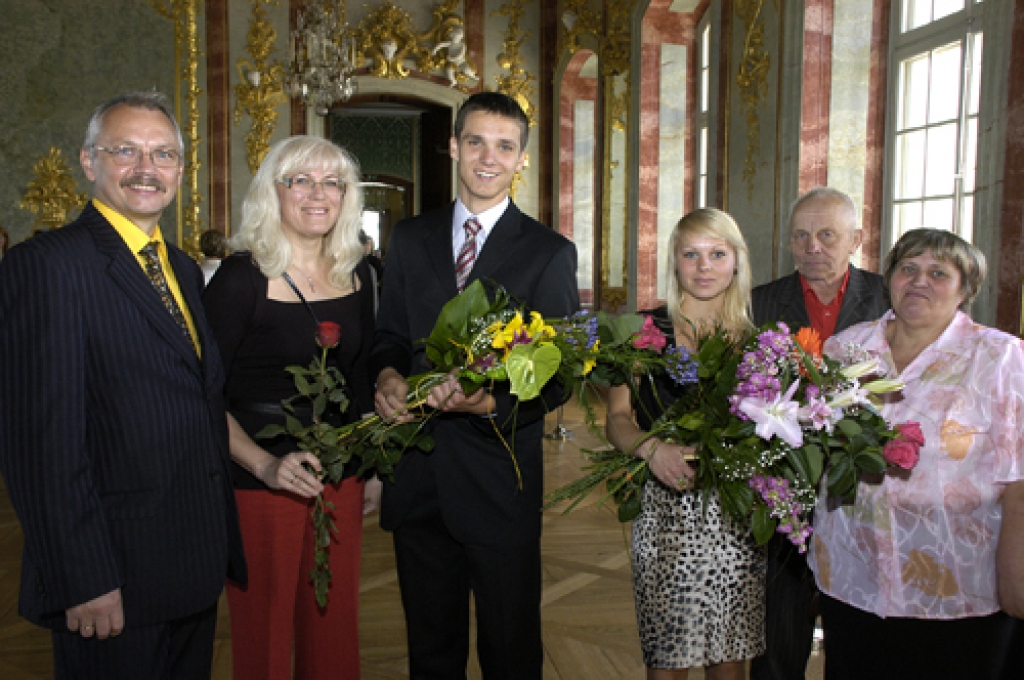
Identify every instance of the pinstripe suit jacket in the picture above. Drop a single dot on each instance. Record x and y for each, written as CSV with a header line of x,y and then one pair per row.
x,y
113,438
476,483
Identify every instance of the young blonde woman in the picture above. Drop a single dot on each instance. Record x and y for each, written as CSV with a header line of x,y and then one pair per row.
x,y
698,576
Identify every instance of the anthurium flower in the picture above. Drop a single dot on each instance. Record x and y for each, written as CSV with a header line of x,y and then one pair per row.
x,y
777,417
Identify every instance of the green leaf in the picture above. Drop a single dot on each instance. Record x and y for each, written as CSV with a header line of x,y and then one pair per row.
x,y
302,385
762,524
871,462
808,461
530,367
630,508
452,322
271,431
849,427
619,329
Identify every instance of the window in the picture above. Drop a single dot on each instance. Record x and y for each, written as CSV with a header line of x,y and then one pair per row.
x,y
933,138
703,115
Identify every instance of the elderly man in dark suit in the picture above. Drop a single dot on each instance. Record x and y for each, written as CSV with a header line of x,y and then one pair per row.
x,y
828,294
461,522
113,435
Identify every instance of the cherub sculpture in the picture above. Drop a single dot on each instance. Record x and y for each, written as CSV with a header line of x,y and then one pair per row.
x,y
456,64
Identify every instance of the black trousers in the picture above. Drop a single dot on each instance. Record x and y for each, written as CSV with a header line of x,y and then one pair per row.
x,y
177,650
860,645
436,574
789,614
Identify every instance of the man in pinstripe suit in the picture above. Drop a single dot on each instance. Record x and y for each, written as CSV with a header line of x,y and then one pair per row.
x,y
113,438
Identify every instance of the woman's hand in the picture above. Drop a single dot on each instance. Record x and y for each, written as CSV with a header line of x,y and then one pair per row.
x,y
371,495
667,464
289,474
1010,552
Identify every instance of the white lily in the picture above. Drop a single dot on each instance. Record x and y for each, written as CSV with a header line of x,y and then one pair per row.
x,y
861,369
776,417
884,385
852,396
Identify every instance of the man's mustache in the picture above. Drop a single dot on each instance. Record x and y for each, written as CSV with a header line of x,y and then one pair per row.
x,y
144,180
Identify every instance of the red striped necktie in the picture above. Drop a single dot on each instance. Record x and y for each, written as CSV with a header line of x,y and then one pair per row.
x,y
467,253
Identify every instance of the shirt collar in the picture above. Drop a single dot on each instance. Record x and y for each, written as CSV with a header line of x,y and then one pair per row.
x,y
130,233
488,218
805,286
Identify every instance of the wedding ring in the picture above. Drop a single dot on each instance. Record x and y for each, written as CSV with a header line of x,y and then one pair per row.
x,y
86,628
684,482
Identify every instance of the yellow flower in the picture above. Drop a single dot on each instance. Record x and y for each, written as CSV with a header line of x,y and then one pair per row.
x,y
505,335
538,327
588,364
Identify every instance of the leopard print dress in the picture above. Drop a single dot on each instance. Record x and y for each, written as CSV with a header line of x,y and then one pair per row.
x,y
699,582
698,576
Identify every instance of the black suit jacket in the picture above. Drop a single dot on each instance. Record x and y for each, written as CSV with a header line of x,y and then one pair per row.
x,y
866,299
113,438
476,484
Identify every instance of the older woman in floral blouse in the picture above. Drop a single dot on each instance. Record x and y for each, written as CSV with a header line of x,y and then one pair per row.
x,y
923,574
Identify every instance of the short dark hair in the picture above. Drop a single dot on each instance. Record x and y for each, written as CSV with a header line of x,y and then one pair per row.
x,y
944,246
213,244
498,104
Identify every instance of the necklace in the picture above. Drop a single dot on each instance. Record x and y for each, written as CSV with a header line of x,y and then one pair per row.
x,y
309,279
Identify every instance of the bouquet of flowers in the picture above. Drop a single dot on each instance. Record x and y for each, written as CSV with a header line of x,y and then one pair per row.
x,y
481,340
768,418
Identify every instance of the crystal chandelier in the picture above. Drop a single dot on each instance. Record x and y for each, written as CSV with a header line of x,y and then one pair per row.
x,y
321,56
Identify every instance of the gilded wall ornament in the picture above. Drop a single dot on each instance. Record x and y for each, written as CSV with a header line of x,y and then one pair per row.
x,y
260,90
53,192
578,20
517,83
752,80
186,41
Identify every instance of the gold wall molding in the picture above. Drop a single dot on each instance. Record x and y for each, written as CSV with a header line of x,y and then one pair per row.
x,y
260,89
752,80
517,82
184,14
578,20
53,193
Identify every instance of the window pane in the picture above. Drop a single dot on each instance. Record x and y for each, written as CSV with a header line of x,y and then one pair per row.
x,y
906,216
913,92
702,192
944,100
967,219
938,214
705,47
910,160
916,13
703,151
705,86
970,161
941,160
975,102
943,8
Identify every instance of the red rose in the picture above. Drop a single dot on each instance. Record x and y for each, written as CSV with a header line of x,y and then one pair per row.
x,y
328,334
901,453
650,337
911,432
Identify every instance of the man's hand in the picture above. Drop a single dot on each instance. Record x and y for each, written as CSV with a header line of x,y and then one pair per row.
x,y
102,617
390,400
448,396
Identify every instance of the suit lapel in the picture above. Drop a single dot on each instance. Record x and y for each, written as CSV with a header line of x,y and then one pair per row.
x,y
437,243
500,245
126,273
855,293
793,305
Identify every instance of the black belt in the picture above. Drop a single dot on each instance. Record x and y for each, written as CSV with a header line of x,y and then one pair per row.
x,y
269,408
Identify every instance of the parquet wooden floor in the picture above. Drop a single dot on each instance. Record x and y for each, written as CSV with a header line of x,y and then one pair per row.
x,y
588,616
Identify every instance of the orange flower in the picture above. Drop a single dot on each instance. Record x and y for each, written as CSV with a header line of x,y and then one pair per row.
x,y
809,341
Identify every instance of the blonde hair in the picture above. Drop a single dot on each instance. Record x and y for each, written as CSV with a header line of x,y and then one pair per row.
x,y
717,224
261,233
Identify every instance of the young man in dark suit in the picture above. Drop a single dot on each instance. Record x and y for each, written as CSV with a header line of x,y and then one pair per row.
x,y
113,435
461,521
829,294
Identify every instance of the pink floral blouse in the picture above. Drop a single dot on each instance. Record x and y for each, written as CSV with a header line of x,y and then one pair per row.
x,y
922,544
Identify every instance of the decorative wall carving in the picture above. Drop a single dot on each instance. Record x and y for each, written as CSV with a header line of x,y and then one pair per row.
x,y
186,40
752,80
53,193
260,90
